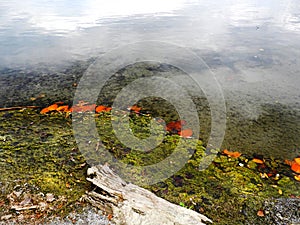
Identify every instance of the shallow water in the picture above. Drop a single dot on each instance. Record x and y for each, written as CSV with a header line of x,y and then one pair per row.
x,y
251,47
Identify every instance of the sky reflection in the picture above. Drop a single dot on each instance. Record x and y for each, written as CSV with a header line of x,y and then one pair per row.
x,y
252,46
65,16
44,30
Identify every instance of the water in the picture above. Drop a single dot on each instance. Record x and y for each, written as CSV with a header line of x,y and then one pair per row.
x,y
252,47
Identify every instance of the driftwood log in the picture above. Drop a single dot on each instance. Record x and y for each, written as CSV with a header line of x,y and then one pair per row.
x,y
130,204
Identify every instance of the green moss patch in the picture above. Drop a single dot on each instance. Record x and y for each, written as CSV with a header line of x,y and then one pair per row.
x,y
39,155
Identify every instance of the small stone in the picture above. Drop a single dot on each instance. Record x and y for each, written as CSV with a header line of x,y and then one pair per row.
x,y
20,217
17,193
27,200
43,206
6,217
50,197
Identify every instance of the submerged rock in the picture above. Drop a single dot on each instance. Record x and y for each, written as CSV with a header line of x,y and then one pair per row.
x,y
283,211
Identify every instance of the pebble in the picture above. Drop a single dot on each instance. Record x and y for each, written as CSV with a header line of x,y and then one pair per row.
x,y
6,217
90,216
50,197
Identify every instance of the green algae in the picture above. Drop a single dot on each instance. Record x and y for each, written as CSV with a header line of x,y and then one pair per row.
x,y
274,132
230,190
40,150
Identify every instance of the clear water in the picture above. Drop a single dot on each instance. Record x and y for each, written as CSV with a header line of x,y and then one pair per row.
x,y
253,46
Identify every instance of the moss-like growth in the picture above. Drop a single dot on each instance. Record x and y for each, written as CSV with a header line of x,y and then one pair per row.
x,y
40,150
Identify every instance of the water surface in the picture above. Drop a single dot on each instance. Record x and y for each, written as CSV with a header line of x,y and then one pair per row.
x,y
252,47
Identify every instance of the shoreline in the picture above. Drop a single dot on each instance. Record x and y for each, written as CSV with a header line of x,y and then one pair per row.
x,y
49,139
252,124
232,188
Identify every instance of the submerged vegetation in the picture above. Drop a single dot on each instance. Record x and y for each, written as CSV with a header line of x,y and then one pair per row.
x,y
43,171
39,157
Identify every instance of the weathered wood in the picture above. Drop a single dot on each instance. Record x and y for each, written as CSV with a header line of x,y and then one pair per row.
x,y
132,205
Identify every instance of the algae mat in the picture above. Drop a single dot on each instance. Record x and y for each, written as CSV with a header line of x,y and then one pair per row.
x,y
42,168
